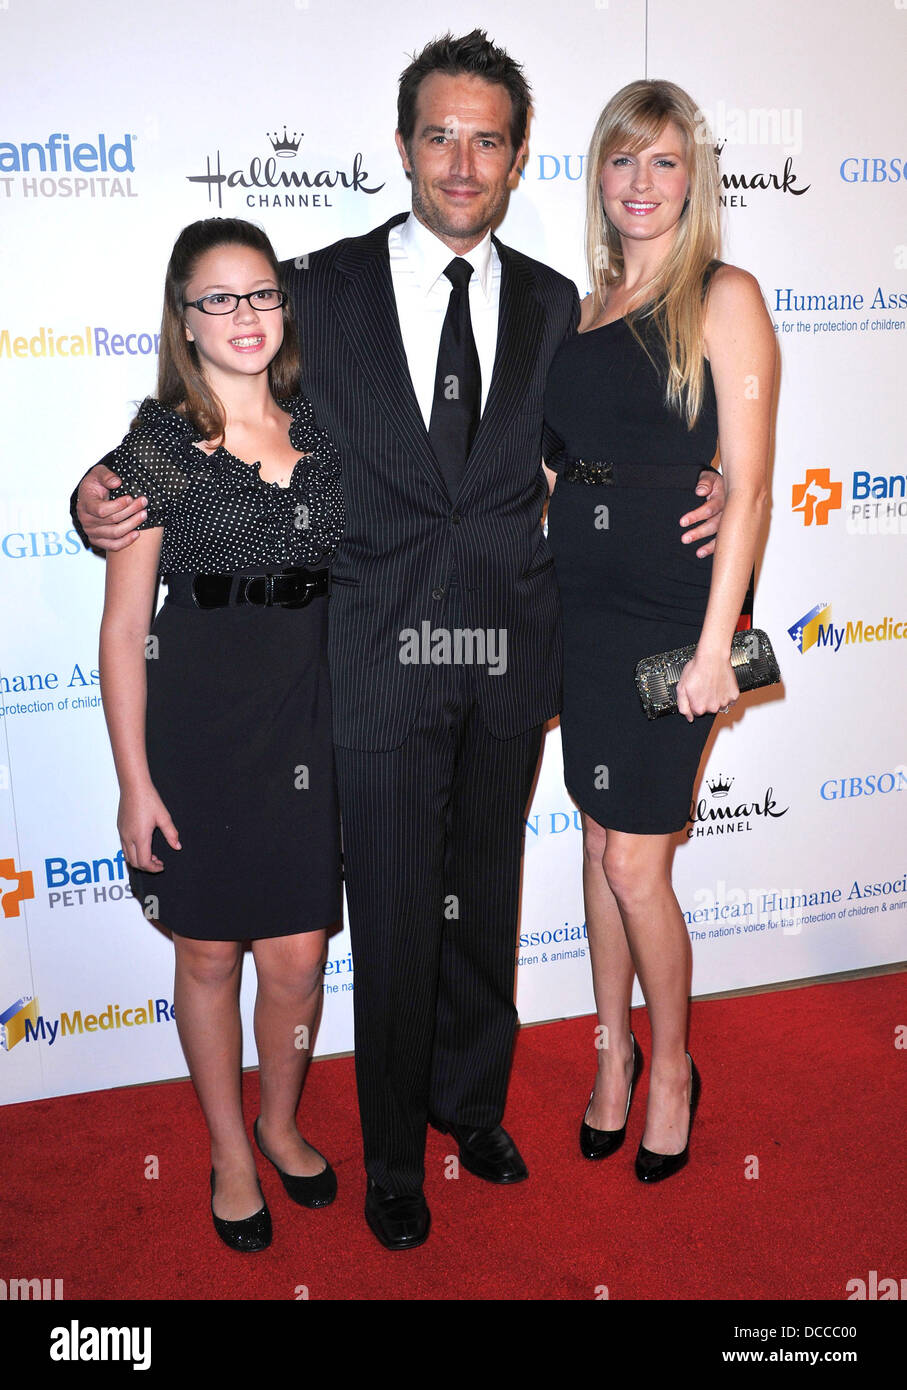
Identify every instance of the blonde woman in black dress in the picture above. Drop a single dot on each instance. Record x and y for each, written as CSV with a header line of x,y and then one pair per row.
x,y
220,719
675,356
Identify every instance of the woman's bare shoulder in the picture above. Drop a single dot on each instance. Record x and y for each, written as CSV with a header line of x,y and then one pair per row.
x,y
586,312
732,289
736,318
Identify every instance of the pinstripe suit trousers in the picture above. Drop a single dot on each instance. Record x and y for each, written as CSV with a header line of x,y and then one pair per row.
x,y
433,834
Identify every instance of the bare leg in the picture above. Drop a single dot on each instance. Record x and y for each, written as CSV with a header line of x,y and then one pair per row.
x,y
612,981
206,997
638,870
287,1006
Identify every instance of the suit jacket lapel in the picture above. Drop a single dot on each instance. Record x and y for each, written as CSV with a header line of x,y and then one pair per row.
x,y
367,311
521,320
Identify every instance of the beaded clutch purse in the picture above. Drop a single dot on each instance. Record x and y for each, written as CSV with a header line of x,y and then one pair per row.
x,y
752,658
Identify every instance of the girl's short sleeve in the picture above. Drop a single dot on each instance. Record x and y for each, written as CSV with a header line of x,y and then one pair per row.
x,y
150,464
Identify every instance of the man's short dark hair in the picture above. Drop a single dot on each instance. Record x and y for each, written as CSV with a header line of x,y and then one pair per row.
x,y
475,55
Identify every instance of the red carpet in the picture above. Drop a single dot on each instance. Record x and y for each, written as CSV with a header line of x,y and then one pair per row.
x,y
808,1081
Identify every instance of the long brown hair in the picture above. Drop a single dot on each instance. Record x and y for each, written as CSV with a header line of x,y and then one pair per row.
x,y
673,299
181,384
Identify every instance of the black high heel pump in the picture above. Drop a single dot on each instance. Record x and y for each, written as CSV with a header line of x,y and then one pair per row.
x,y
601,1143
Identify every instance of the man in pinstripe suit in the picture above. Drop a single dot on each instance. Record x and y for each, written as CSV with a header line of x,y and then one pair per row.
x,y
436,759
445,640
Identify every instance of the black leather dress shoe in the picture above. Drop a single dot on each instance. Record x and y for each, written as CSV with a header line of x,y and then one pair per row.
x,y
601,1143
317,1191
653,1167
488,1153
400,1221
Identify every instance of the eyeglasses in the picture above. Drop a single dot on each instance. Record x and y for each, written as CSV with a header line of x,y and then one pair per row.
x,y
229,303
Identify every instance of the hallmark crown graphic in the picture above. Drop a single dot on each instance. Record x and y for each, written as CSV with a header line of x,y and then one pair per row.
x,y
720,785
287,147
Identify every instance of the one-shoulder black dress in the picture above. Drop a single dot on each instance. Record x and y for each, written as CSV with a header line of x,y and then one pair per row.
x,y
238,723
627,470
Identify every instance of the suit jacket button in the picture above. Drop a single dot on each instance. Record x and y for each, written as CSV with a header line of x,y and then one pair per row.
x,y
437,593
455,518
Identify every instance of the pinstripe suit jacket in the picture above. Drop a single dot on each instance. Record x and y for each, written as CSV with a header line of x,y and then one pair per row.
x,y
404,533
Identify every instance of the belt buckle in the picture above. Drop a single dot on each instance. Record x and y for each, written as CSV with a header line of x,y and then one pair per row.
x,y
260,584
308,593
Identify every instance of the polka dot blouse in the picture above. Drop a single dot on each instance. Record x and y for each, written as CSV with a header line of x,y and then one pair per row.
x,y
218,513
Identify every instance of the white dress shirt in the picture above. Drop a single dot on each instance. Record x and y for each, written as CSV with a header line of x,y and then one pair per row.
x,y
418,259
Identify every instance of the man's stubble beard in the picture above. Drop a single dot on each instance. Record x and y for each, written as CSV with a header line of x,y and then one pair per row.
x,y
432,217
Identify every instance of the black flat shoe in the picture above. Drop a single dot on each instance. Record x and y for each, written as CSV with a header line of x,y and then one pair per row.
x,y
251,1234
653,1167
601,1143
317,1191
487,1153
400,1221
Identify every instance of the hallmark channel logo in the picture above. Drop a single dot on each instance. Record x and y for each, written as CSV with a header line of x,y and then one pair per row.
x,y
721,814
816,629
278,186
62,168
286,148
735,185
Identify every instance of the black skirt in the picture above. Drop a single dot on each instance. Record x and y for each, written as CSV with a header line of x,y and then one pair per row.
x,y
238,732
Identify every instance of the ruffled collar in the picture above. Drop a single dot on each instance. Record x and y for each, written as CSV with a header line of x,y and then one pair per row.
x,y
153,414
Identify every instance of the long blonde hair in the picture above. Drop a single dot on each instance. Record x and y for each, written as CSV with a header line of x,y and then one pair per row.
x,y
673,298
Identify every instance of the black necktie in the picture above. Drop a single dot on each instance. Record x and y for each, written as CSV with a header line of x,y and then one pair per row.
x,y
458,381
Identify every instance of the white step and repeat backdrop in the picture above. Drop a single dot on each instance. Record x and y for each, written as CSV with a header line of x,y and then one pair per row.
x,y
121,124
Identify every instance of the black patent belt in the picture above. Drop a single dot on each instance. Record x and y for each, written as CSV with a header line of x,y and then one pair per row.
x,y
288,588
603,473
